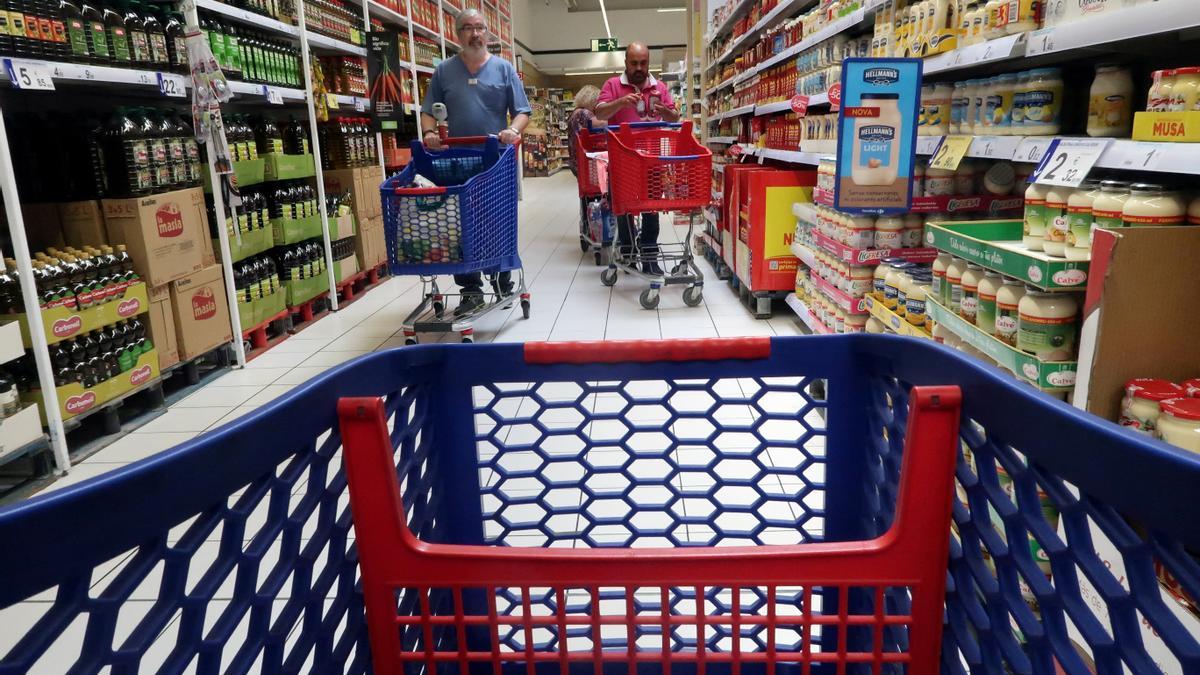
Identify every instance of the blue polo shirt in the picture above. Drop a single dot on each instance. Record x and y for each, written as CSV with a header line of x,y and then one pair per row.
x,y
477,103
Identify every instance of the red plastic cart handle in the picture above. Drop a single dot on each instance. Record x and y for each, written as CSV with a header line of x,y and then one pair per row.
x,y
645,351
473,140
418,191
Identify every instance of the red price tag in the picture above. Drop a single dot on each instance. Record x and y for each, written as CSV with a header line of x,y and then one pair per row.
x,y
835,96
800,105
861,111
735,150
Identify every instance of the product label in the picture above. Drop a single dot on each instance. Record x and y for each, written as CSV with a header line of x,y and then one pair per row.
x,y
1035,218
1079,224
77,37
1108,112
1132,221
139,46
180,52
1047,338
158,150
1107,219
204,305
158,48
119,44
169,220
889,239
1057,227
1006,324
16,24
875,146
968,304
939,278
985,313
99,39
1018,108
140,152
956,295
1040,107
914,311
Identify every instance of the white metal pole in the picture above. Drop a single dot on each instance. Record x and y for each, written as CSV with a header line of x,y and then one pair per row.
x,y
33,310
316,148
191,18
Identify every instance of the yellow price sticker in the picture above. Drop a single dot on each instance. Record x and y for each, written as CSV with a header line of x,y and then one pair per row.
x,y
950,152
331,101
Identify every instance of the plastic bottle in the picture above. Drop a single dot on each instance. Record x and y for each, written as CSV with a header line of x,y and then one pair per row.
x,y
176,43
156,37
116,36
139,44
77,31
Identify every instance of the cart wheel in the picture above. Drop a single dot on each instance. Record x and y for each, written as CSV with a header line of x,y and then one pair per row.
x,y
410,341
439,308
649,298
598,257
525,308
693,295
467,339
584,245
609,276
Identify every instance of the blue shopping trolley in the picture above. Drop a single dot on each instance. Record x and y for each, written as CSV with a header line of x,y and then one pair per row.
x,y
237,551
465,223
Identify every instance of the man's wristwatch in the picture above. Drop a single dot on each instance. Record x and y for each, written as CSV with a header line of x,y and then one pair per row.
x,y
514,130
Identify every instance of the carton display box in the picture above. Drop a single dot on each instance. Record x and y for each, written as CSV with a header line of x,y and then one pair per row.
x,y
288,167
161,324
370,246
294,230
73,399
64,322
303,290
166,234
201,313
363,185
246,172
341,227
82,223
345,268
252,243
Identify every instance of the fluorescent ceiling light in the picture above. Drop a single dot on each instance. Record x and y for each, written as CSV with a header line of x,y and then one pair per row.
x,y
664,10
604,13
590,72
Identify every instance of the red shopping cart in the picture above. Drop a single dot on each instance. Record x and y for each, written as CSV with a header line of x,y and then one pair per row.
x,y
595,215
653,167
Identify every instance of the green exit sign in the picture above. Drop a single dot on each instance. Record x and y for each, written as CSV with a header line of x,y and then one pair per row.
x,y
604,44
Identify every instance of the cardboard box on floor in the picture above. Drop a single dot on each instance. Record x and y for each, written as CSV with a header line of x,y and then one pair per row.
x,y
82,223
161,322
363,185
200,311
166,234
370,245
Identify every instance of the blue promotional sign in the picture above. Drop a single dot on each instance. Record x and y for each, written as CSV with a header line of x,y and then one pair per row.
x,y
877,135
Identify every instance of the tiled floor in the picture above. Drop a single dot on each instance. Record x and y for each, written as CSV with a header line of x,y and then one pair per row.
x,y
569,303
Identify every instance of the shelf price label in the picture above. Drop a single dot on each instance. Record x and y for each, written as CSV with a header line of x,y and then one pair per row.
x,y
274,96
1040,42
360,104
30,75
331,101
1068,161
171,84
1032,149
950,152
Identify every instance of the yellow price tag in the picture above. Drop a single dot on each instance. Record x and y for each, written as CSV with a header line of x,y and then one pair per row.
x,y
950,152
331,101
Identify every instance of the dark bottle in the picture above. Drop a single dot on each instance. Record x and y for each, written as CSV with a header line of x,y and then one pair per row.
x,y
77,31
176,43
156,144
139,44
295,138
233,51
216,40
127,156
117,36
91,351
60,361
128,273
176,150
130,349
6,37
93,21
191,148
156,36
58,29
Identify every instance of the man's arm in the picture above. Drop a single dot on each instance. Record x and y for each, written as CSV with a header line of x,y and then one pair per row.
x,y
513,132
433,94
666,109
607,110
518,107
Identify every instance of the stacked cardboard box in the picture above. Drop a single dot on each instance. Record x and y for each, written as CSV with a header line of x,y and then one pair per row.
x,y
363,186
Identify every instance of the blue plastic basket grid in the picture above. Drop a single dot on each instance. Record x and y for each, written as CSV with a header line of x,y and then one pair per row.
x,y
472,226
252,568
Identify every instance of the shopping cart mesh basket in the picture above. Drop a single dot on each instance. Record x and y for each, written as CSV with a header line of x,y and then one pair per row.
x,y
466,223
237,551
658,167
587,169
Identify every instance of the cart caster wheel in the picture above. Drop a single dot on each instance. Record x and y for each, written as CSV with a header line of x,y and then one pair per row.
x,y
467,339
584,245
649,298
693,295
439,308
609,276
598,258
410,341
525,308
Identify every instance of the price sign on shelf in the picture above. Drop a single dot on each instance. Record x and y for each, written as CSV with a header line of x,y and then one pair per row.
x,y
274,96
1143,156
171,84
360,104
835,96
1032,149
950,152
31,75
800,105
1068,161
331,101
1040,42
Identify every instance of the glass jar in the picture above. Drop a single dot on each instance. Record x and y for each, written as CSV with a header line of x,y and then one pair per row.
x,y
1109,206
874,326
914,304
858,280
937,115
1079,221
1008,300
988,107
860,232
879,279
1043,103
939,182
1022,16
939,275
918,178
889,232
968,305
1139,406
985,315
958,107
1154,98
1017,118
1055,240
952,291
1179,423
1110,105
1035,217
1047,324
964,178
914,230
1002,98
1000,179
856,323
1166,91
904,284
891,284
1149,204
971,107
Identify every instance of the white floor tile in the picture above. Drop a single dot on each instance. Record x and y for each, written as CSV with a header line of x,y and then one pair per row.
x,y
139,446
268,393
208,397
246,376
300,374
184,419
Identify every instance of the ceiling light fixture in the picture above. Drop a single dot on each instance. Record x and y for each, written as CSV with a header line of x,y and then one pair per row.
x,y
664,10
604,13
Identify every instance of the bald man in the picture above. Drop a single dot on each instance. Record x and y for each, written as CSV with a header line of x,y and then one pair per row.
x,y
636,96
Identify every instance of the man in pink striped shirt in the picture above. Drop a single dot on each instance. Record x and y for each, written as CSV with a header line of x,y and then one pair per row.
x,y
636,96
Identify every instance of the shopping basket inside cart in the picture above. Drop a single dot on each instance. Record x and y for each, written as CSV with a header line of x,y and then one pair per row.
x,y
466,222
656,166
236,552
588,173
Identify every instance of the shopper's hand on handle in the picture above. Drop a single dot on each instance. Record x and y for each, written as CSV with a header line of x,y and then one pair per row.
x,y
433,141
509,136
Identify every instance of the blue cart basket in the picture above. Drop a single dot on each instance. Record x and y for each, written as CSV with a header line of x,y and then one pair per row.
x,y
236,551
466,223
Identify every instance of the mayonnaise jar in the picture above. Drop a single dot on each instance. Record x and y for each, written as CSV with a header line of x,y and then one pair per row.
x,y
1139,407
939,275
1185,94
1150,204
968,305
952,291
1079,221
1035,217
1043,103
985,315
1110,108
1179,423
889,232
1109,206
1008,300
1047,324
1055,241
914,230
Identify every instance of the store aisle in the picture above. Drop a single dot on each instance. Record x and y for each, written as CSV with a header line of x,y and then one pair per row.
x,y
569,303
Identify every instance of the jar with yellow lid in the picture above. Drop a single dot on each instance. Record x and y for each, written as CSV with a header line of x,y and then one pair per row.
x,y
1179,423
985,315
1047,324
968,305
1139,406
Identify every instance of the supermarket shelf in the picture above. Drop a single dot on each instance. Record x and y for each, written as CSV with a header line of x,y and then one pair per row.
x,y
804,254
870,256
787,7
454,11
722,139
428,32
336,45
1157,18
83,73
996,245
842,25
428,70
357,102
736,112
991,204
845,301
769,108
896,323
1121,154
379,11
11,345
991,51
823,148
793,156
727,25
252,19
671,75
806,315
722,85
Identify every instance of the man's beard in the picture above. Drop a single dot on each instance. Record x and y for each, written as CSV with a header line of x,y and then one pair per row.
x,y
636,78
475,48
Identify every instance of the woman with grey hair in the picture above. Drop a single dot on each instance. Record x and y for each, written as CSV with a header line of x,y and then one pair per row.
x,y
581,119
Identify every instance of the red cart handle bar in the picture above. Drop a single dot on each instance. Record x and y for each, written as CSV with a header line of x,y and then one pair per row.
x,y
645,351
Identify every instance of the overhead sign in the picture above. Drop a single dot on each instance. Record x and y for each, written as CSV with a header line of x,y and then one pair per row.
x,y
877,135
604,44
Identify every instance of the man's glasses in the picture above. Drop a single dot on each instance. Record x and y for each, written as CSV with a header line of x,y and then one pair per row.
x,y
473,29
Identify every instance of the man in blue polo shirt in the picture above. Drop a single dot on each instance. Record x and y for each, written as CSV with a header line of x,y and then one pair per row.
x,y
480,93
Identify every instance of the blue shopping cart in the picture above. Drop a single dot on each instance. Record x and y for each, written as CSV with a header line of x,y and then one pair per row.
x,y
237,551
466,223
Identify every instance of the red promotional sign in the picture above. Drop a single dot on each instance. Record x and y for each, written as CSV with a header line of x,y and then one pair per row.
x,y
862,111
835,96
800,105
735,150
